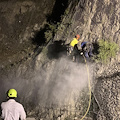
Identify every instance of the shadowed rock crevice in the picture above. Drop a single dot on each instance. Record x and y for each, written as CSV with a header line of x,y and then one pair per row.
x,y
53,18
58,10
57,49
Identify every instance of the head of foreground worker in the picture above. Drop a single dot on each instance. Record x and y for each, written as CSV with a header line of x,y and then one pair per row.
x,y
12,93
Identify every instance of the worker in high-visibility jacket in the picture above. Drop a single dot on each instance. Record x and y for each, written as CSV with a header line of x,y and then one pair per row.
x,y
73,48
12,110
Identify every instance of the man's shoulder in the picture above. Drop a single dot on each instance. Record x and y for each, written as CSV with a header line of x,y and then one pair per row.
x,y
11,101
4,104
74,39
18,103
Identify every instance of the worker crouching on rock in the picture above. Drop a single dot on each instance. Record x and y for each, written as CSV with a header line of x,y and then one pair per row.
x,y
12,110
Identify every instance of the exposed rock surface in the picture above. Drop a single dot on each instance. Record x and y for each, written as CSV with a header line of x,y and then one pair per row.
x,y
94,20
19,22
50,90
30,119
107,92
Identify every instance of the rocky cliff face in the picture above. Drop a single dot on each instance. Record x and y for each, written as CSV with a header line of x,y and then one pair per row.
x,y
51,86
107,93
94,20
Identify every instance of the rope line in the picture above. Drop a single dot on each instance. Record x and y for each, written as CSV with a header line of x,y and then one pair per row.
x,y
89,89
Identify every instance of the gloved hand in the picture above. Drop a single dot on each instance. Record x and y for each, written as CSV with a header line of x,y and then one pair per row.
x,y
81,53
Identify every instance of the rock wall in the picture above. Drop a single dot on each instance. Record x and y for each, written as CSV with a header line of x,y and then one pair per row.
x,y
107,92
19,22
95,20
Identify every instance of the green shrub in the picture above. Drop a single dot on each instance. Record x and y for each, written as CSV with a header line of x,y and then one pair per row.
x,y
106,50
48,35
50,32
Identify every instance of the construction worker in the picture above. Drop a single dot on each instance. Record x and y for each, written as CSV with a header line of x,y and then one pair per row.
x,y
12,110
87,49
73,48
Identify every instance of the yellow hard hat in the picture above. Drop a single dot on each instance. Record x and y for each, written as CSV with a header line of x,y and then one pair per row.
x,y
12,93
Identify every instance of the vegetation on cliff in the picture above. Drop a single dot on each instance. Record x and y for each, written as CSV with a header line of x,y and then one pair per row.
x,y
107,50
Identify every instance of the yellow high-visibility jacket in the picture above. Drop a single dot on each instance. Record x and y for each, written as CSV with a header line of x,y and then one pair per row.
x,y
74,42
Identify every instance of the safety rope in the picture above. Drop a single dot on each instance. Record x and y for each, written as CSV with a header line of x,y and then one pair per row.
x,y
89,89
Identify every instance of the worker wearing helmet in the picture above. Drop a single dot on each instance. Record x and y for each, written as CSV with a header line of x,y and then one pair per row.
x,y
73,46
12,110
75,41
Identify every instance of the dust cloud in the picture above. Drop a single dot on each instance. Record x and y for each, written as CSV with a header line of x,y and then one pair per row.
x,y
57,84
